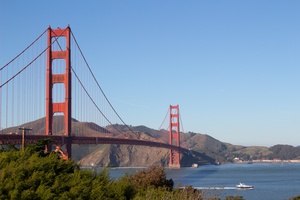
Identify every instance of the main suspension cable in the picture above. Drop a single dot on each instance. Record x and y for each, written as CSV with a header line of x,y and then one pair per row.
x,y
99,84
28,63
164,119
181,123
23,50
93,100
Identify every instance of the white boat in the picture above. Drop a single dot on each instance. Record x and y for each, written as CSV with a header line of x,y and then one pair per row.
x,y
195,165
244,186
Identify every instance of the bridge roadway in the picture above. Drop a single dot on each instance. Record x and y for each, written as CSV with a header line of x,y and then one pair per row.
x,y
61,140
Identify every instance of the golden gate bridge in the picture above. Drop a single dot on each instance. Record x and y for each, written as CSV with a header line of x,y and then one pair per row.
x,y
70,94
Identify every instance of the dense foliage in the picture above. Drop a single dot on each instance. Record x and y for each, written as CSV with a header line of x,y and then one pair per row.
x,y
33,174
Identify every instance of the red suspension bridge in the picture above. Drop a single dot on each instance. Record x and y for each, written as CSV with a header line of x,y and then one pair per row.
x,y
70,94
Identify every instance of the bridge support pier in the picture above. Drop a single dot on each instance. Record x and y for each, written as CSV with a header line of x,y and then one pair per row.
x,y
174,137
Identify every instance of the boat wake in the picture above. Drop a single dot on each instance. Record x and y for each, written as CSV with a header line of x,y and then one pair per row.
x,y
215,188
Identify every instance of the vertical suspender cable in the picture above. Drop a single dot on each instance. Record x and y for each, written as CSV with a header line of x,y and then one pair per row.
x,y
99,85
1,103
12,98
26,91
35,94
7,102
18,96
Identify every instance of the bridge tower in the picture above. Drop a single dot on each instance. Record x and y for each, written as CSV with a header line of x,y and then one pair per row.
x,y
174,136
65,79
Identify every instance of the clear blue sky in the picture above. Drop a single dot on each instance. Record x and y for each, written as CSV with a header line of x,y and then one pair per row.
x,y
232,66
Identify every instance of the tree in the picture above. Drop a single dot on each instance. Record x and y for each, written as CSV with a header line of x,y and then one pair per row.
x,y
154,176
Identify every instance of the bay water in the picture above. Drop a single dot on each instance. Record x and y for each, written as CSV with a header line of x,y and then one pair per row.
x,y
271,181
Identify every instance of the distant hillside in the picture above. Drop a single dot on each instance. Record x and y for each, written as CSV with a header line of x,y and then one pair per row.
x,y
204,149
78,128
284,152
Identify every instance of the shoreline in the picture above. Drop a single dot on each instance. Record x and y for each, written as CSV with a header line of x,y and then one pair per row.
x,y
275,161
266,161
240,162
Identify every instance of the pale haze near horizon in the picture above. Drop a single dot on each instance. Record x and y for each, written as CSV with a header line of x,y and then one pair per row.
x,y
233,67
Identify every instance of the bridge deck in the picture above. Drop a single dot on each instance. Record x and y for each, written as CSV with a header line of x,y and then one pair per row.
x,y
61,139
